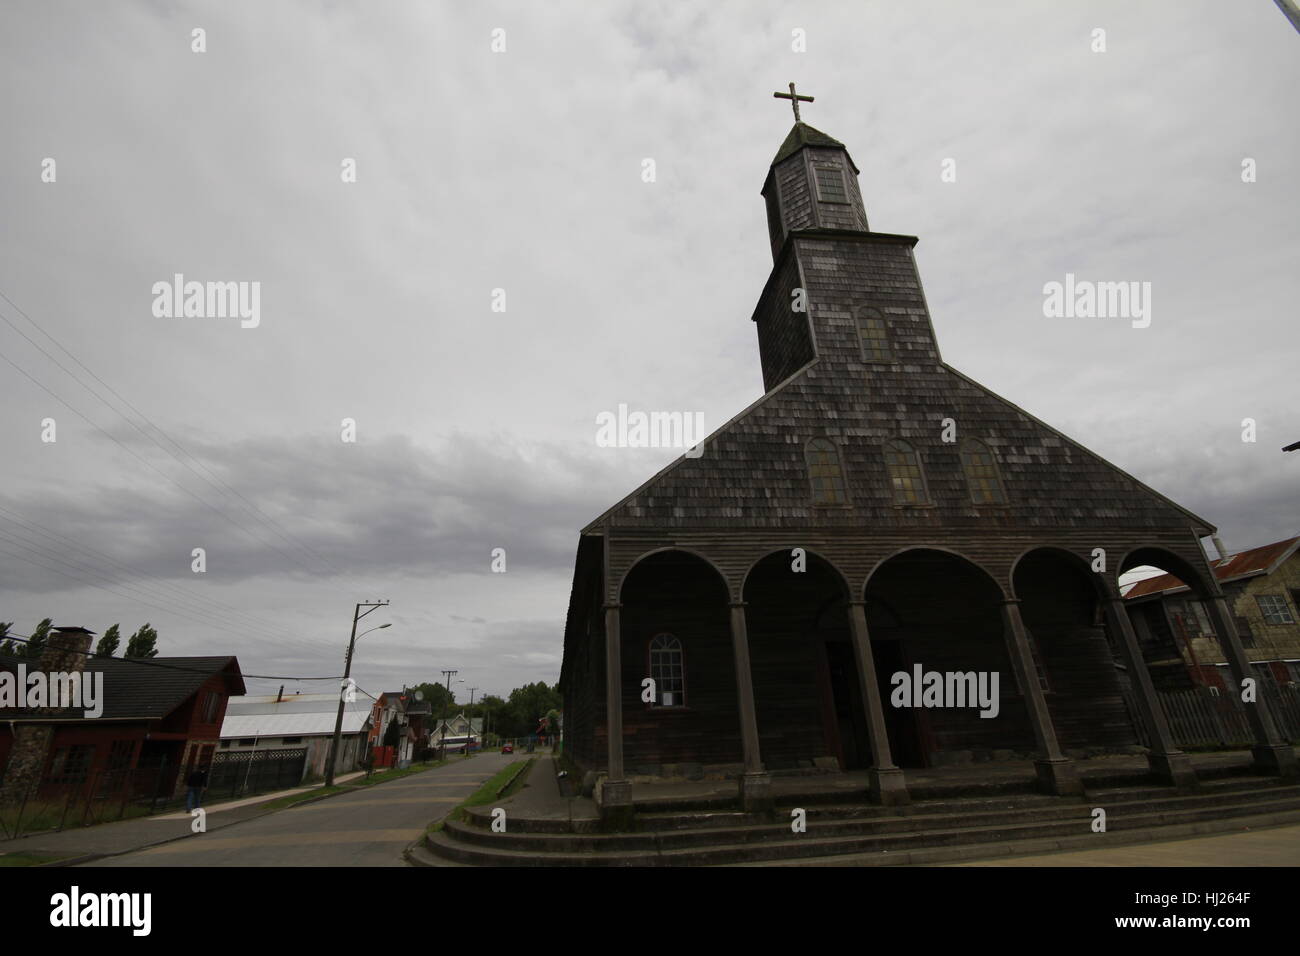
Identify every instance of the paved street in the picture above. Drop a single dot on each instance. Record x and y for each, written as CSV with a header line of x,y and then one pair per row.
x,y
1274,846
370,827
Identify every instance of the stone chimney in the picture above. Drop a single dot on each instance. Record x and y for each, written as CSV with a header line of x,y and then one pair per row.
x,y
66,650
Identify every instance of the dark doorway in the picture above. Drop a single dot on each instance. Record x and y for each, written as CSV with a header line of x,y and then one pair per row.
x,y
847,706
902,723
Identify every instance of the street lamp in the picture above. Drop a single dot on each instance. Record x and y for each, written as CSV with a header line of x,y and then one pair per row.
x,y
357,615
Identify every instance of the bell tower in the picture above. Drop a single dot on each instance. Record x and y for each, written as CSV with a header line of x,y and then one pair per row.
x,y
812,184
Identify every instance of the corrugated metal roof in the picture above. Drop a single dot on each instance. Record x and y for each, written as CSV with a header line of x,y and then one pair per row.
x,y
1261,560
294,715
294,704
292,724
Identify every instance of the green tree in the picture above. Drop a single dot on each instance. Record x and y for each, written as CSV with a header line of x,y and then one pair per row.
x,y
108,643
142,643
436,695
525,708
36,643
8,647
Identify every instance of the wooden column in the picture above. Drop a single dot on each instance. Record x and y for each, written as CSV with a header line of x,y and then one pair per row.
x,y
616,791
755,783
1165,759
1056,773
885,781
1271,753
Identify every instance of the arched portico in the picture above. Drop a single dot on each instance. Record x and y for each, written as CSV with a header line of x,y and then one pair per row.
x,y
951,620
1077,620
1271,754
676,622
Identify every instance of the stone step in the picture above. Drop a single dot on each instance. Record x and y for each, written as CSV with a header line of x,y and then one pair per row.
x,y
1213,785
1215,791
769,844
935,856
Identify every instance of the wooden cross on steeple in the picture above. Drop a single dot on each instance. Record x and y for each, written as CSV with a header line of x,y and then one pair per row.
x,y
794,99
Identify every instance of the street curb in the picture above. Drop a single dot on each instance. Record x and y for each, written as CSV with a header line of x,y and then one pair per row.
x,y
520,770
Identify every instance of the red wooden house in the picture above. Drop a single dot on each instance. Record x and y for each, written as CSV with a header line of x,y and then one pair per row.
x,y
160,718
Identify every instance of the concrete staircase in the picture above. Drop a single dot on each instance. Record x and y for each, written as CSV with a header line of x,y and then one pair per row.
x,y
942,825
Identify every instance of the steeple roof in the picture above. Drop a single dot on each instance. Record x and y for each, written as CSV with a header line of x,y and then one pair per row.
x,y
801,135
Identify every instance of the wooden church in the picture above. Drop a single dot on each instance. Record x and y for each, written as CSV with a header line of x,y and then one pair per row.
x,y
874,516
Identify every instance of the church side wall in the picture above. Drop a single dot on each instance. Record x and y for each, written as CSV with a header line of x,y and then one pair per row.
x,y
784,337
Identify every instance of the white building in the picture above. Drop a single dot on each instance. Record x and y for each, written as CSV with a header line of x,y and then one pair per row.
x,y
280,721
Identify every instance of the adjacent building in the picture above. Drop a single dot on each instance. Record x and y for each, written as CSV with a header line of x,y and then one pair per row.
x,y
160,718
279,722
1262,587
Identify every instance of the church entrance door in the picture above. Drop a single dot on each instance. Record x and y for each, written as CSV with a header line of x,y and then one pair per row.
x,y
846,706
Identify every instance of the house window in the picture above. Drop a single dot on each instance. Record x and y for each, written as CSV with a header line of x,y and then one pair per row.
x,y
71,763
247,741
830,184
904,473
981,473
1191,615
292,740
873,334
120,754
667,670
824,473
211,704
1274,608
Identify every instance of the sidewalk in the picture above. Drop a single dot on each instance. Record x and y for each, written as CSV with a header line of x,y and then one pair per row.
x,y
123,836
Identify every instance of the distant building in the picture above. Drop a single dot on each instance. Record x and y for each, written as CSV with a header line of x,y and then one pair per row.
x,y
279,721
458,728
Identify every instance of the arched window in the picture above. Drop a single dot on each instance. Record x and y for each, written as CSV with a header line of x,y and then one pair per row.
x,y
668,671
824,473
873,333
905,473
981,473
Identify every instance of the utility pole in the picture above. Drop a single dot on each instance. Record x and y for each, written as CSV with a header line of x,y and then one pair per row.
x,y
469,722
357,615
442,743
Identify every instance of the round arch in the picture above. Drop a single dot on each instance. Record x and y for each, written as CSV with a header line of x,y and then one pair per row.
x,y
1101,583
811,555
1168,562
722,577
918,548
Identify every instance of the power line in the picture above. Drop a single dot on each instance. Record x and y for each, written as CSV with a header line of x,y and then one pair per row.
x,y
131,597
145,461
231,612
147,662
213,481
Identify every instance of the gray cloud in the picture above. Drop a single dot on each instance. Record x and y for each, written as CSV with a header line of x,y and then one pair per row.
x,y
522,171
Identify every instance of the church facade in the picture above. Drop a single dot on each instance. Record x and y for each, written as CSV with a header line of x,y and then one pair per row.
x,y
879,564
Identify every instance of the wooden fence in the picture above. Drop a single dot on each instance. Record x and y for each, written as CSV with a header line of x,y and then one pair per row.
x,y
1206,717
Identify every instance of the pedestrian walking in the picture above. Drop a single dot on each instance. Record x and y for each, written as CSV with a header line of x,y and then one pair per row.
x,y
197,782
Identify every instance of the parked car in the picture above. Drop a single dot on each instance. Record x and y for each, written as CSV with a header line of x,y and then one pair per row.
x,y
507,748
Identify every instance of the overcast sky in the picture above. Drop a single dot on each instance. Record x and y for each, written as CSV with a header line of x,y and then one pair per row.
x,y
522,170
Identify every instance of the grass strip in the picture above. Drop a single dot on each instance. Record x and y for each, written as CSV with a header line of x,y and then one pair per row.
x,y
27,859
490,792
